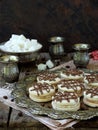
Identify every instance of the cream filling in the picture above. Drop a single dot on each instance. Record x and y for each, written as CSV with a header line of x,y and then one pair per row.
x,y
71,76
66,107
90,102
41,98
94,84
48,81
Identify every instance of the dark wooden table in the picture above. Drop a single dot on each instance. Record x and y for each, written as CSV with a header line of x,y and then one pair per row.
x,y
20,121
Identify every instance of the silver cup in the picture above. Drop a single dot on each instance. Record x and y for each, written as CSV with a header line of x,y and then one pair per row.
x,y
81,56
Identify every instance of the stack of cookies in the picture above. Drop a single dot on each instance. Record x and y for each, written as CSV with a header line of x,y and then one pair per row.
x,y
90,95
65,89
45,87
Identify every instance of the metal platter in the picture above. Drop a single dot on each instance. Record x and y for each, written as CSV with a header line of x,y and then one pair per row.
x,y
20,94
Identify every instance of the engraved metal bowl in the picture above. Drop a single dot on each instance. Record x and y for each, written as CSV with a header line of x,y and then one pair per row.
x,y
23,56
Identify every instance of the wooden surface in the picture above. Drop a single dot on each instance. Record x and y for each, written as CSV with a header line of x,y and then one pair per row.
x,y
20,121
4,110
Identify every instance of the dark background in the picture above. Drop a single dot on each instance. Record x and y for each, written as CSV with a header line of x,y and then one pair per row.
x,y
76,20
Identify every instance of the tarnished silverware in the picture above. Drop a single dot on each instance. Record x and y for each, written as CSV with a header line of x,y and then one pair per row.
x,y
81,56
10,71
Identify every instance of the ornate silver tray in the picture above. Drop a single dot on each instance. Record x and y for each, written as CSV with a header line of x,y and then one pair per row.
x,y
20,94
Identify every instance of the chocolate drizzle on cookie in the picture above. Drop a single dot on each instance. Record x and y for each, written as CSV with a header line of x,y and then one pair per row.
x,y
47,76
59,96
93,92
73,72
91,78
72,84
39,88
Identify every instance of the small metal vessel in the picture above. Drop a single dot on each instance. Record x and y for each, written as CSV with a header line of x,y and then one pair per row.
x,y
10,71
81,56
56,48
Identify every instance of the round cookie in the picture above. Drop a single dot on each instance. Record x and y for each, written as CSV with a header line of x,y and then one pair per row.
x,y
48,77
90,97
72,74
91,79
66,101
41,92
71,86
